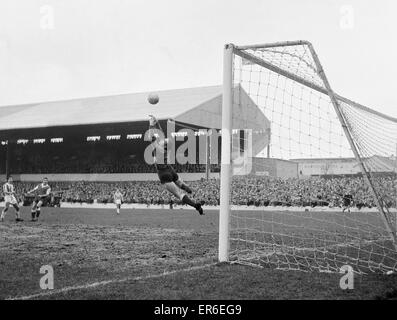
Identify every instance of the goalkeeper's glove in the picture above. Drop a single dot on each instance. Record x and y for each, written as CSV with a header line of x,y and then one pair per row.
x,y
152,121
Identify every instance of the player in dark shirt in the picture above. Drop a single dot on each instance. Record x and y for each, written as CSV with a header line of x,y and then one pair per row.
x,y
347,202
42,196
167,175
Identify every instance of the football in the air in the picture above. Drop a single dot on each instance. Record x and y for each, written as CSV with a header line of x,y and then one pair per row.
x,y
153,98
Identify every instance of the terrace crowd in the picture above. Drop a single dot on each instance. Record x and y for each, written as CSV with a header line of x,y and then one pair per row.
x,y
248,191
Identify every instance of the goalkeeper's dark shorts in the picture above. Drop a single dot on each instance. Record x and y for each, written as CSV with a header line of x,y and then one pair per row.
x,y
167,174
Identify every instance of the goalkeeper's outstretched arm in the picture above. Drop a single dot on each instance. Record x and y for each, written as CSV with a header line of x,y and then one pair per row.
x,y
158,140
153,126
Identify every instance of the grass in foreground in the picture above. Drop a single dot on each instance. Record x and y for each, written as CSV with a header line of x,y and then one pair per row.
x,y
86,246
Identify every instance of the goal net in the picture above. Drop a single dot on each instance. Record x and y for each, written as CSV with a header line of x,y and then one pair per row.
x,y
309,183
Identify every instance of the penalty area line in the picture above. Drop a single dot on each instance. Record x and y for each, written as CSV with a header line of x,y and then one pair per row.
x,y
107,282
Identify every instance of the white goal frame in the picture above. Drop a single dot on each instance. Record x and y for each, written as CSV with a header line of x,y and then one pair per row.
x,y
230,50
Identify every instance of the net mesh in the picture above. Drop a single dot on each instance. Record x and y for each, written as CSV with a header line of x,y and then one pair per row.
x,y
308,204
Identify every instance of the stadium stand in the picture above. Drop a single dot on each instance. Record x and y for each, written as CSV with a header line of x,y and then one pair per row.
x,y
104,135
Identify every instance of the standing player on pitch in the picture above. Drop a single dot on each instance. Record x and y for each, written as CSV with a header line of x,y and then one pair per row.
x,y
10,199
167,175
43,195
347,202
118,200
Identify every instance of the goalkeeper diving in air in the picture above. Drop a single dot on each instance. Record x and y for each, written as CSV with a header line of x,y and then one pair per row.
x,y
167,175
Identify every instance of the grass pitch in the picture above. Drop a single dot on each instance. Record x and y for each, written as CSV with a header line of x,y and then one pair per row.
x,y
149,254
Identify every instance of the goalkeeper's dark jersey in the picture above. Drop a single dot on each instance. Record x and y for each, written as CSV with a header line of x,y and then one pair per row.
x,y
165,171
161,155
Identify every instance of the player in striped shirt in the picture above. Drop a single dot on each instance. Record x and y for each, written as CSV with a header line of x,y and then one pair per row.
x,y
118,199
42,196
10,199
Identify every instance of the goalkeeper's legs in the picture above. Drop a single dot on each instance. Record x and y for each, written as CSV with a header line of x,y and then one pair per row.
x,y
181,184
176,191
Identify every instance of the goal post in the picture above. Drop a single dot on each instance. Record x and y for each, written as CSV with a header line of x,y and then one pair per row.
x,y
227,104
311,126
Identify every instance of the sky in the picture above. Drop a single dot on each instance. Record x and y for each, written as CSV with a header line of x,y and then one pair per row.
x,y
57,50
